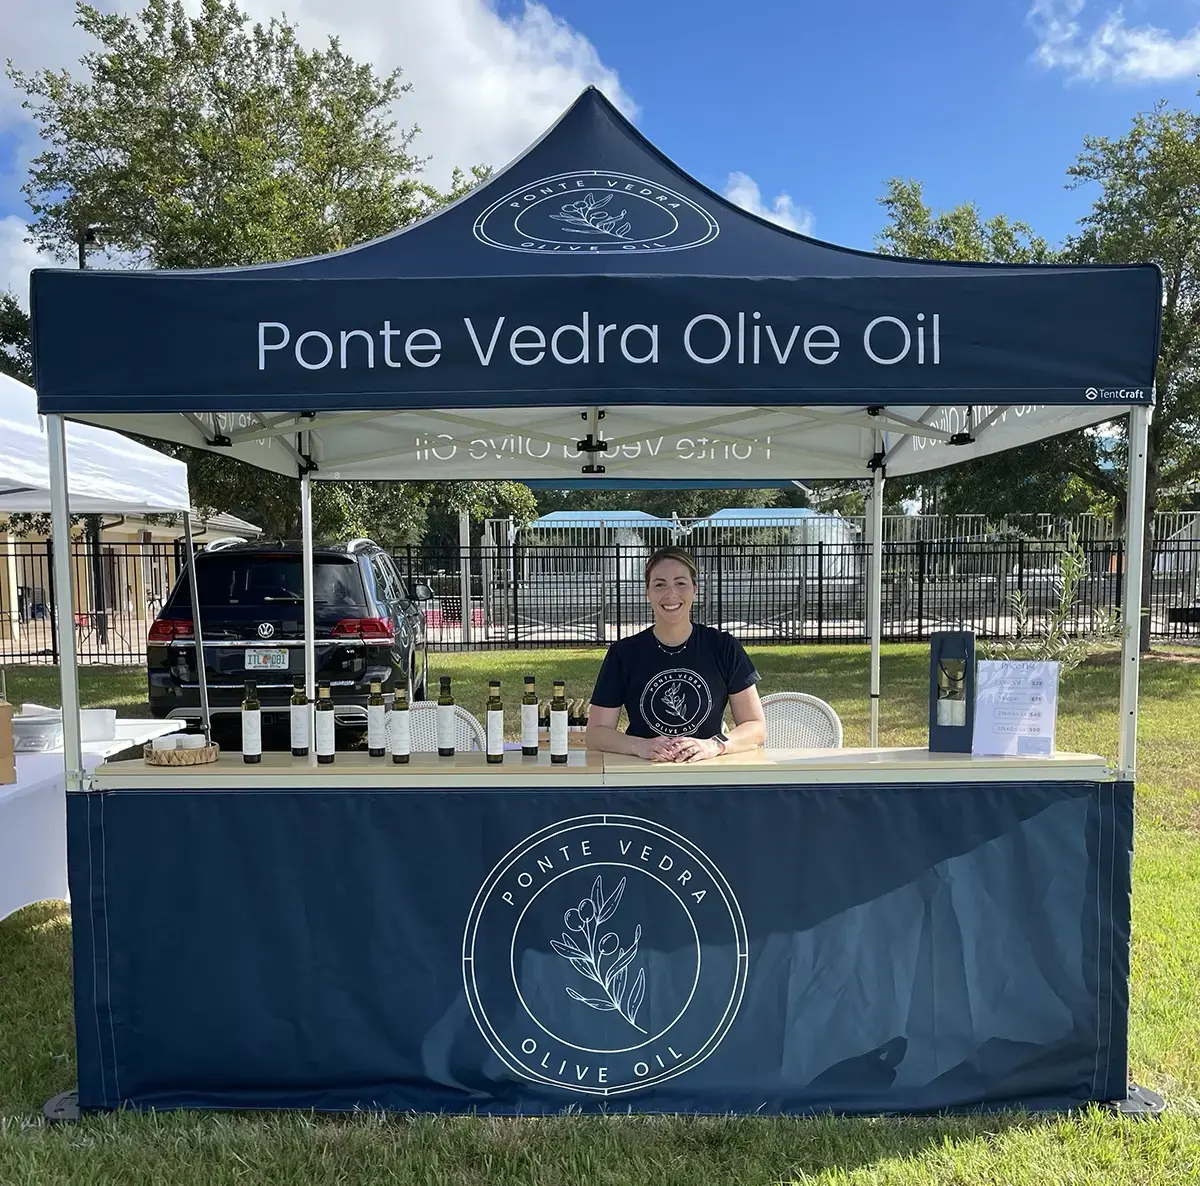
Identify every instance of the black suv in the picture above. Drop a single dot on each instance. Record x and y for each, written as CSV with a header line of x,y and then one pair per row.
x,y
368,626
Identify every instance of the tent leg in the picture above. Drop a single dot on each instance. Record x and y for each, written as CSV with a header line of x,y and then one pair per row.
x,y
197,629
310,612
875,597
64,585
1131,596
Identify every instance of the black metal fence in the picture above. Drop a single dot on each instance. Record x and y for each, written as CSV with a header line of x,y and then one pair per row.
x,y
549,596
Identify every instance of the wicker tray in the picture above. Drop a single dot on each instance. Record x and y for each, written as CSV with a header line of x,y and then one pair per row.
x,y
181,757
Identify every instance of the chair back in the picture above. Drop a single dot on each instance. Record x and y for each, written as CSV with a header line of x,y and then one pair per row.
x,y
796,720
469,734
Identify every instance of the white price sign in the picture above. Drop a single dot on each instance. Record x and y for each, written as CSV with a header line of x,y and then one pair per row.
x,y
1016,707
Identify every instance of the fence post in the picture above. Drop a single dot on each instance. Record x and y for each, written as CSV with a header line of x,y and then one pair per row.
x,y
920,588
820,590
620,575
52,608
720,622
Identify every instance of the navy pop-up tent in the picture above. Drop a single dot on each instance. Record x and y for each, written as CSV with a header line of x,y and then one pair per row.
x,y
594,315
592,272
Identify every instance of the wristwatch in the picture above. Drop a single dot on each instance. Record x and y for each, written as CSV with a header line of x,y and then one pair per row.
x,y
722,741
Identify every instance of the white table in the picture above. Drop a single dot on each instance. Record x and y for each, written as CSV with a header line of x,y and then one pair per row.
x,y
33,816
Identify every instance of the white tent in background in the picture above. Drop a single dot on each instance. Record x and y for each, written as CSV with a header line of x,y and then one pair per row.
x,y
107,472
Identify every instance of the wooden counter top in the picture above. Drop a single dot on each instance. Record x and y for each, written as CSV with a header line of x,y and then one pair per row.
x,y
585,768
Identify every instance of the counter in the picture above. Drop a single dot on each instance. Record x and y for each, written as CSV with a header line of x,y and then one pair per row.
x,y
857,930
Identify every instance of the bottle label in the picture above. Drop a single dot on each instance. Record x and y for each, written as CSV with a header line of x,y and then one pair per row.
x,y
376,726
558,732
445,726
325,744
299,726
495,731
529,726
252,731
400,731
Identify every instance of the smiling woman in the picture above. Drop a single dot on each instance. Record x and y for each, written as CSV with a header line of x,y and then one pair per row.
x,y
675,680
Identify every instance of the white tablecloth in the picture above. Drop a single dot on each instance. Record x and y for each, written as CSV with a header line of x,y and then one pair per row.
x,y
33,816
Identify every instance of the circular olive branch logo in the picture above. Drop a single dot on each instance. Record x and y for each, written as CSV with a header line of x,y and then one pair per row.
x,y
586,955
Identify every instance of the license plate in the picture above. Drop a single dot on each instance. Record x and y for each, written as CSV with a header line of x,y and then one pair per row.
x,y
266,660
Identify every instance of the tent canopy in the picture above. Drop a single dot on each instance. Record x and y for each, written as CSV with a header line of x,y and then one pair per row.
x,y
593,273
108,473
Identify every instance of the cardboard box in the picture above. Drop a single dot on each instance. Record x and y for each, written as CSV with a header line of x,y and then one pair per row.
x,y
8,762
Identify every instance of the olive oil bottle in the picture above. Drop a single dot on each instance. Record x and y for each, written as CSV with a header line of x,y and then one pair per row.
x,y
299,718
558,723
400,727
445,720
324,726
529,719
251,725
495,723
376,721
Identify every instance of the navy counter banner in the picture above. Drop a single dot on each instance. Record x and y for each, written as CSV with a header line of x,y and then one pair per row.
x,y
858,949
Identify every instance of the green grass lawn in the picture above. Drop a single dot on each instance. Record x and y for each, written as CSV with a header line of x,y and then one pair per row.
x,y
1093,1148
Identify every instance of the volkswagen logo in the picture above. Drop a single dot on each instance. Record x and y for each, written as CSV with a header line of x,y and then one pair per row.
x,y
265,630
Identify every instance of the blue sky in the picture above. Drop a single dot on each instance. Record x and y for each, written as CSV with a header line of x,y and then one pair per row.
x,y
825,99
801,108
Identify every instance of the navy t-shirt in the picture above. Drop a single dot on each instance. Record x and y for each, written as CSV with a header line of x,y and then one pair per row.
x,y
674,691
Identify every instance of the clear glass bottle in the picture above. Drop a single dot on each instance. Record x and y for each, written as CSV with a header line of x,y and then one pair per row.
x,y
558,724
376,721
445,719
400,727
299,718
529,719
495,723
251,725
325,741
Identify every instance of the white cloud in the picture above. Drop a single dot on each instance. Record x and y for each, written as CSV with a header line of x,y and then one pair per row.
x,y
743,191
17,258
484,87
1111,49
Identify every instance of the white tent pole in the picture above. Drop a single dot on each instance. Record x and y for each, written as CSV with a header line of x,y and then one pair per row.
x,y
1131,597
197,630
64,596
310,612
875,595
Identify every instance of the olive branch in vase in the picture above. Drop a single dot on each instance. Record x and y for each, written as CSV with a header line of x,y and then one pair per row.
x,y
587,954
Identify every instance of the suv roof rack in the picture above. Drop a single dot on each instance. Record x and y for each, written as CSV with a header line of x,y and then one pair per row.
x,y
355,544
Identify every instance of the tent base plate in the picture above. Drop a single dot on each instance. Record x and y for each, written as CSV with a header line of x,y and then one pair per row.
x,y
1140,1103
62,1108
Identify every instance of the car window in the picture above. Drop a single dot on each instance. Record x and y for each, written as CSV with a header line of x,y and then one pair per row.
x,y
250,579
383,580
401,584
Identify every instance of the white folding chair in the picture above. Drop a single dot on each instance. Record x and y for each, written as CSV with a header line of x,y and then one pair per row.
x,y
469,734
796,720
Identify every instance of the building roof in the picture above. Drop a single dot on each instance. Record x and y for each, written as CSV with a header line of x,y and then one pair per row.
x,y
602,519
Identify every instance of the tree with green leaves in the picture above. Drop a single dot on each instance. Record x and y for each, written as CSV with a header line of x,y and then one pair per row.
x,y
15,358
206,140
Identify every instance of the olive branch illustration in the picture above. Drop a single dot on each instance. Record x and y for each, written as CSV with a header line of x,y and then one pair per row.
x,y
589,216
675,700
586,955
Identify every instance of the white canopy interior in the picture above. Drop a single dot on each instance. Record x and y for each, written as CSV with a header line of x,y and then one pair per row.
x,y
107,473
655,443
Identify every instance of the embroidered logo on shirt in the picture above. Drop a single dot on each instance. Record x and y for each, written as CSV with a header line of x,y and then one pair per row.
x,y
676,702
